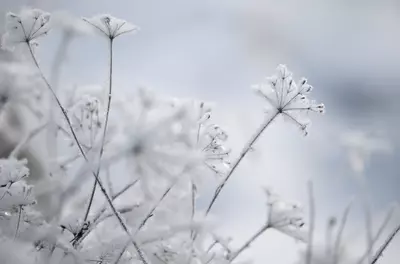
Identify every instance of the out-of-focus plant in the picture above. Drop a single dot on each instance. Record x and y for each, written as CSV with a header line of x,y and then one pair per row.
x,y
172,150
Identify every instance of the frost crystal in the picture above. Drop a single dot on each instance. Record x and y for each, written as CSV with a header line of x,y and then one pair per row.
x,y
288,98
25,27
110,26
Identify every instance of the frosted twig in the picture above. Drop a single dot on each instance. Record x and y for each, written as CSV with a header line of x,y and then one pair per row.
x,y
249,242
378,234
244,152
389,239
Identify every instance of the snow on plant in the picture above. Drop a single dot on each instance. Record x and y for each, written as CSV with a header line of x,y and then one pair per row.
x,y
173,151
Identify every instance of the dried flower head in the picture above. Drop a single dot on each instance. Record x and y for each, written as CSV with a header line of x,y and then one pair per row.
x,y
284,216
288,98
110,26
12,170
25,27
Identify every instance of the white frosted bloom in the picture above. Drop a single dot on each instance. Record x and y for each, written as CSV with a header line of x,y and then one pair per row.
x,y
12,170
288,98
110,26
25,27
285,217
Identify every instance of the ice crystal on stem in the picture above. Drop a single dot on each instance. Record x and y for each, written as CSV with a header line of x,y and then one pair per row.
x,y
110,26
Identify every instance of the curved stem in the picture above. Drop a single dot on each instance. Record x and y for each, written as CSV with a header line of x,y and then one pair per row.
x,y
244,152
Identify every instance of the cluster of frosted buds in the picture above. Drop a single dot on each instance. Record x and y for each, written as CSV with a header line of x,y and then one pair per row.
x,y
110,26
207,138
284,216
86,120
25,27
210,139
289,99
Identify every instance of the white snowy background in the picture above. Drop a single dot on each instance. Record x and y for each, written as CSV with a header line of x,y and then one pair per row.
x,y
215,50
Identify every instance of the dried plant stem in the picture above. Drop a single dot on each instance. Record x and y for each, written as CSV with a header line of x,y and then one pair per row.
x,y
104,129
249,242
150,213
18,221
193,189
339,234
244,152
389,239
310,243
103,190
378,234
96,219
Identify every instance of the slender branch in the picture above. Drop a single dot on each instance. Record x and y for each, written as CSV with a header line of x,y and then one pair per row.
x,y
150,213
312,223
104,130
339,234
193,189
18,221
93,223
378,234
379,253
244,152
103,190
249,242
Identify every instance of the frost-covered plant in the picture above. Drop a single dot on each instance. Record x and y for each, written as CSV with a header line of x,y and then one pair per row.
x,y
172,149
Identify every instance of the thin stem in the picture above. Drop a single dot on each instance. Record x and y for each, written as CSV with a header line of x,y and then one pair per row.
x,y
103,190
104,130
18,221
312,223
249,242
150,213
242,155
378,234
339,234
96,219
379,253
193,189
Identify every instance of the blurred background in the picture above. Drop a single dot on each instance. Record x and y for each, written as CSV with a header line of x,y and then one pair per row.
x,y
216,50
